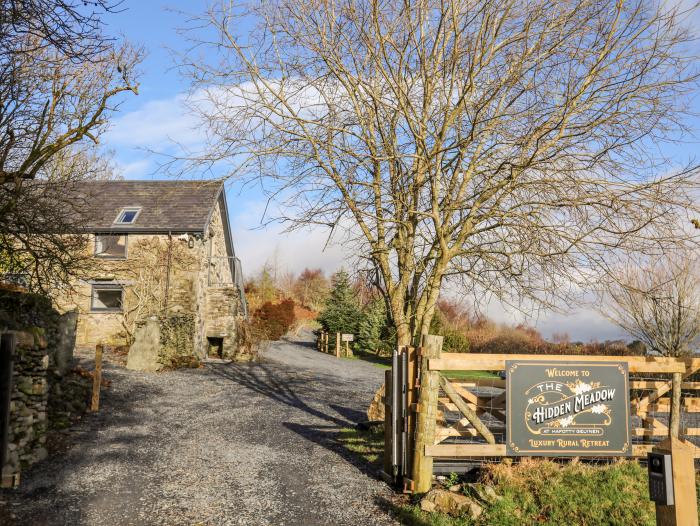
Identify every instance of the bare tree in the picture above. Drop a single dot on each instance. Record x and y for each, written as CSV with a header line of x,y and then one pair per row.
x,y
59,81
658,302
500,146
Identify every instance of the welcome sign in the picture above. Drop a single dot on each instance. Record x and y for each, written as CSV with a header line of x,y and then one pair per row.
x,y
567,408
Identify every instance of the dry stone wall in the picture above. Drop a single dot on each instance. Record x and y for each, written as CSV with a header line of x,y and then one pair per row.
x,y
45,392
29,403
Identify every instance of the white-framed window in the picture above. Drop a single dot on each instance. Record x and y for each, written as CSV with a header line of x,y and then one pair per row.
x,y
107,298
110,246
128,215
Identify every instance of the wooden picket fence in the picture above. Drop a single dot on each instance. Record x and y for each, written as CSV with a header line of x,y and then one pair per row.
x,y
420,433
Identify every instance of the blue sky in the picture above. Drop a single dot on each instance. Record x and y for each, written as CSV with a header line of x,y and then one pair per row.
x,y
156,117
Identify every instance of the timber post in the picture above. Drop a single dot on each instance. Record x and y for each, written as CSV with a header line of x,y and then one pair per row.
x,y
97,378
428,392
337,345
684,512
675,418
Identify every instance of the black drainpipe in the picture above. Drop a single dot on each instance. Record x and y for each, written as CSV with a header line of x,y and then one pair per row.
x,y
167,272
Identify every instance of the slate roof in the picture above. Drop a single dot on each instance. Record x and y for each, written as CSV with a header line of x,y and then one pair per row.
x,y
166,206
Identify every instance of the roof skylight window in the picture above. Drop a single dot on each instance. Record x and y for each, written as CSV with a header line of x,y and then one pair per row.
x,y
127,216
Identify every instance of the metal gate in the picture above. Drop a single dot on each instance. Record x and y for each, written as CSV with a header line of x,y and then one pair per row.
x,y
399,422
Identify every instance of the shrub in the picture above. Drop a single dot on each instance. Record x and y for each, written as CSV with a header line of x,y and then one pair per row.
x,y
273,320
249,339
311,288
454,339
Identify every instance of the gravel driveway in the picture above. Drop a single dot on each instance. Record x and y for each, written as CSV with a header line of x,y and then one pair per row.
x,y
249,444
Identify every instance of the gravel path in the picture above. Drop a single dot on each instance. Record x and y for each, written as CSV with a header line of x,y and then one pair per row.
x,y
248,444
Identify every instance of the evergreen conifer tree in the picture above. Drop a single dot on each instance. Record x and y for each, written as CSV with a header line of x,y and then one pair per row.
x,y
342,312
372,325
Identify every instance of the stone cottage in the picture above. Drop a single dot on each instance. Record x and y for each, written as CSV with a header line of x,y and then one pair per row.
x,y
160,252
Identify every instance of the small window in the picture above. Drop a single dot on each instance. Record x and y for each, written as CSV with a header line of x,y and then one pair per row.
x,y
127,216
110,246
107,298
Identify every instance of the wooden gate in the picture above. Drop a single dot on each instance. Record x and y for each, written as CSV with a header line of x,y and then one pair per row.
x,y
456,406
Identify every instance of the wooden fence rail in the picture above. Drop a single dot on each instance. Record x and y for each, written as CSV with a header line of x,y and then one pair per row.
x,y
434,391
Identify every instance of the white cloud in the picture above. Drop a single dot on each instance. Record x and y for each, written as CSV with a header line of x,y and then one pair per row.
x,y
583,323
156,125
137,169
292,252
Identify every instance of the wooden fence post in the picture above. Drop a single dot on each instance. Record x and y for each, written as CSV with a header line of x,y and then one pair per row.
x,y
387,424
685,510
427,414
337,345
97,378
675,418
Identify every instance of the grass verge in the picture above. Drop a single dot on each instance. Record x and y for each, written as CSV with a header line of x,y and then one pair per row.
x,y
546,493
378,361
533,492
369,445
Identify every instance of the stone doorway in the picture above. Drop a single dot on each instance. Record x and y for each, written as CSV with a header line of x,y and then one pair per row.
x,y
215,347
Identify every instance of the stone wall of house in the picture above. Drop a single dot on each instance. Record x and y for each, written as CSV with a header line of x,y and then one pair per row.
x,y
44,391
197,265
145,266
219,271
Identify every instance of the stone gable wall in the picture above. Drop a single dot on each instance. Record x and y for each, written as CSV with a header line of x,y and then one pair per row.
x,y
221,302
